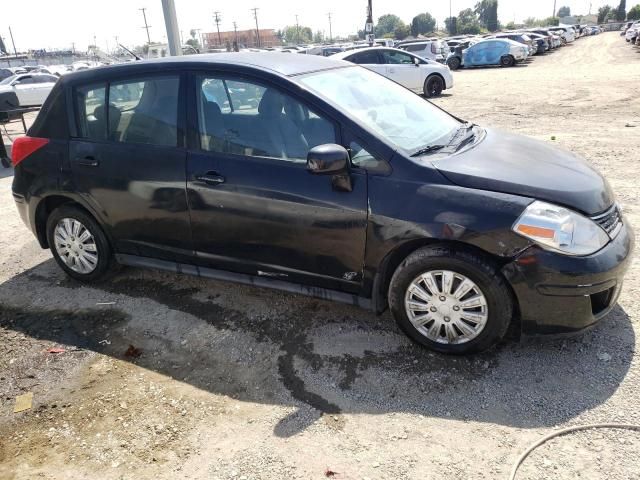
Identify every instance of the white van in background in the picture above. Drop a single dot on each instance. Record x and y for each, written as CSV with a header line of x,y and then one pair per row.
x,y
431,49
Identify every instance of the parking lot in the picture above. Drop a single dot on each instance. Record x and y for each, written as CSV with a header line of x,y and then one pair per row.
x,y
164,376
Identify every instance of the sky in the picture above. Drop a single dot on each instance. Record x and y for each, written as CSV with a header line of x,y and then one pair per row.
x,y
57,24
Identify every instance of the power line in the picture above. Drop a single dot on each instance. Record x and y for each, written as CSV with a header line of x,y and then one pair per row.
x,y
146,26
218,19
255,14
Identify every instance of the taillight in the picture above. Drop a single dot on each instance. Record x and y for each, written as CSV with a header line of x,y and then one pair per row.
x,y
25,146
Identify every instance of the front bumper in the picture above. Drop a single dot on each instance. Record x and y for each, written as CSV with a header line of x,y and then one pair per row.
x,y
560,294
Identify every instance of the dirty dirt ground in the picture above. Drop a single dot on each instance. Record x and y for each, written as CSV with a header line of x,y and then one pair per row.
x,y
233,382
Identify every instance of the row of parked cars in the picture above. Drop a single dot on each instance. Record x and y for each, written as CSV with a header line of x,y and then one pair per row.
x,y
631,32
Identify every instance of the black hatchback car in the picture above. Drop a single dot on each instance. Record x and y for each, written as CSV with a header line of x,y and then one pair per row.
x,y
320,177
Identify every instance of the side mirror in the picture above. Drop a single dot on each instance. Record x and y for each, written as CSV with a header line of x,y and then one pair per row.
x,y
329,159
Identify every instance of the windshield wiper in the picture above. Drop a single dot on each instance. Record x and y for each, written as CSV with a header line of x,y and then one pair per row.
x,y
428,149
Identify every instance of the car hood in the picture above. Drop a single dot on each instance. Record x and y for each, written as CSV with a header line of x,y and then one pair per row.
x,y
508,163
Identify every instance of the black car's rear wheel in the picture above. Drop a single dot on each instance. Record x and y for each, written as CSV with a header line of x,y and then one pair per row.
x,y
78,244
450,300
454,63
507,61
433,86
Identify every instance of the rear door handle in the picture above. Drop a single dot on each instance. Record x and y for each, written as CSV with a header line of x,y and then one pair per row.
x,y
88,161
210,178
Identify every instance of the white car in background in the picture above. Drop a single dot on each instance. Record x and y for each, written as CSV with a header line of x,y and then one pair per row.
x,y
31,89
411,71
431,49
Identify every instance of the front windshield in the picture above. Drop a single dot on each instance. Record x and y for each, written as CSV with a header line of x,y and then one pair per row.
x,y
392,112
8,80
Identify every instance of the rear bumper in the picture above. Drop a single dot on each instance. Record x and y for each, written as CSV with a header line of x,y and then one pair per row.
x,y
562,294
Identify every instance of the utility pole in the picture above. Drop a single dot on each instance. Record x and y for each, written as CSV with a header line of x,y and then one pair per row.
x,y
235,31
218,19
368,28
330,32
171,23
297,31
255,14
146,26
13,43
554,8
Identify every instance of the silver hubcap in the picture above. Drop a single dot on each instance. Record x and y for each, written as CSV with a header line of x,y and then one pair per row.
x,y
76,246
446,307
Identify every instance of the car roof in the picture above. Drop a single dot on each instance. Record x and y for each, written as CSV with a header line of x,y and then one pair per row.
x,y
284,64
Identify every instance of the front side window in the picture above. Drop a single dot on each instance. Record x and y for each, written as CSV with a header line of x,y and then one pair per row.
x,y
391,112
144,110
247,118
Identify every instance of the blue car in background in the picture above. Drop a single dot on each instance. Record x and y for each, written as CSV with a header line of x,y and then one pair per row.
x,y
492,51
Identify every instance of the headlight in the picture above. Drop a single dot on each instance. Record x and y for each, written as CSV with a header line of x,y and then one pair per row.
x,y
560,229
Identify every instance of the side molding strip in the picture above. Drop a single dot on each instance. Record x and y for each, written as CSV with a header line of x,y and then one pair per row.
x,y
265,282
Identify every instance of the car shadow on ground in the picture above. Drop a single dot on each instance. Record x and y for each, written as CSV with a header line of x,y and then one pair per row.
x,y
258,345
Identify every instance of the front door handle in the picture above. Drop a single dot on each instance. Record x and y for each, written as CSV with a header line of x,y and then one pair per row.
x,y
210,178
88,161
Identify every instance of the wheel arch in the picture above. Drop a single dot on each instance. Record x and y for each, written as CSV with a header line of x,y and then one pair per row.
x,y
435,74
395,257
46,206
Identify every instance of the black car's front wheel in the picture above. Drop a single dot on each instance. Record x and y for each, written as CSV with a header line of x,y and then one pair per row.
x,y
450,300
78,244
433,86
454,63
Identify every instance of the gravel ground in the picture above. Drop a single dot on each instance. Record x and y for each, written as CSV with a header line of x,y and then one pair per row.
x,y
166,376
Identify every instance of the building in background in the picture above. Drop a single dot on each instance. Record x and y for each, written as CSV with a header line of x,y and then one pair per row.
x,y
246,39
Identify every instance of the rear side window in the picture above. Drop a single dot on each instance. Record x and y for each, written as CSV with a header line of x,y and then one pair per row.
x,y
144,111
394,57
90,102
414,48
365,58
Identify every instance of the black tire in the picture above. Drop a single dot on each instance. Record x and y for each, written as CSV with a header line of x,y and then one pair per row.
x,y
106,264
454,63
433,86
507,61
476,268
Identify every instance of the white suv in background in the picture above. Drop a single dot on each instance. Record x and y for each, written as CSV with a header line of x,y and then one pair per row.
x,y
429,49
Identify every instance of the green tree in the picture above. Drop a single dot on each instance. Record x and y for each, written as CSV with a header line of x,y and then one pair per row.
x,y
295,34
531,21
194,43
468,22
402,31
451,24
551,21
318,37
621,12
423,23
603,13
487,11
564,12
510,26
387,24
634,13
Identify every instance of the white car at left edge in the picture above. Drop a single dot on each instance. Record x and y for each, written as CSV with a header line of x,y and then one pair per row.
x,y
423,76
32,89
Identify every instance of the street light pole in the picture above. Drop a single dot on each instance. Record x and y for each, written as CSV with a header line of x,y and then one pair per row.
x,y
171,23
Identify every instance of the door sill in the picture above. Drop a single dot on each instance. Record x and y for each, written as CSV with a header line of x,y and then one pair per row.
x,y
257,281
